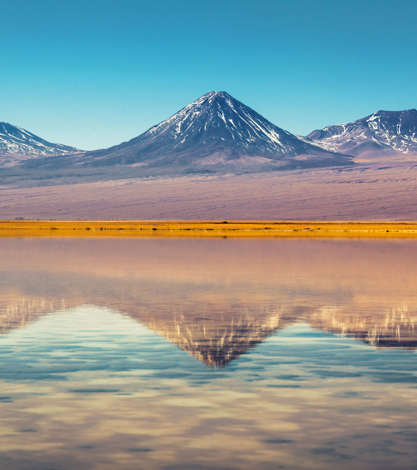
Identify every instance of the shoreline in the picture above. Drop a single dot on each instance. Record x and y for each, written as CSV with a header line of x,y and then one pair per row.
x,y
206,229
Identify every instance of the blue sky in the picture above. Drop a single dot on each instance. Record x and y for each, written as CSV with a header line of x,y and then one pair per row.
x,y
94,73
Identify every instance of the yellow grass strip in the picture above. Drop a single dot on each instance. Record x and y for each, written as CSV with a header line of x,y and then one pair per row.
x,y
261,229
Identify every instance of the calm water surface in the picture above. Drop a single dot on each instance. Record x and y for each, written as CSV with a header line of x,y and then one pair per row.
x,y
208,354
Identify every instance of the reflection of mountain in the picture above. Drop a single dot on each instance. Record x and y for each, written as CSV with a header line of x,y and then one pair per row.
x,y
395,327
218,306
220,331
16,311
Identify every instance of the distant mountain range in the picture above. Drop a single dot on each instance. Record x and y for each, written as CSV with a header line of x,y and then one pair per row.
x,y
383,131
17,144
218,134
214,134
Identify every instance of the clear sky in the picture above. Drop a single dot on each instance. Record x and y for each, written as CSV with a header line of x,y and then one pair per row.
x,y
93,73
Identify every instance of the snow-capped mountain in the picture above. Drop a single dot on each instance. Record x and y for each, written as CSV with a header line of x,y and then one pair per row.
x,y
383,131
17,144
215,133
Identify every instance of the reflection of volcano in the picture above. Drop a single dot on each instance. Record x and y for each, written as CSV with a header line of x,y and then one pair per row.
x,y
218,332
217,306
217,339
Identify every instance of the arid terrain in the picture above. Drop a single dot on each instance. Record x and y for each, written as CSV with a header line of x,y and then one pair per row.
x,y
367,191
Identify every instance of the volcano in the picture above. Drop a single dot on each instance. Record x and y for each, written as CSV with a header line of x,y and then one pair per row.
x,y
214,134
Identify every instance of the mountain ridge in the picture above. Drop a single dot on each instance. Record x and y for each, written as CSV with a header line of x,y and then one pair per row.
x,y
218,134
383,131
18,144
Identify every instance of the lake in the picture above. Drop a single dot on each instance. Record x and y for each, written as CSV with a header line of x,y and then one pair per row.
x,y
208,354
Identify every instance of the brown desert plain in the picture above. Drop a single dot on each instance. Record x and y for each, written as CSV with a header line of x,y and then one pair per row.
x,y
368,191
